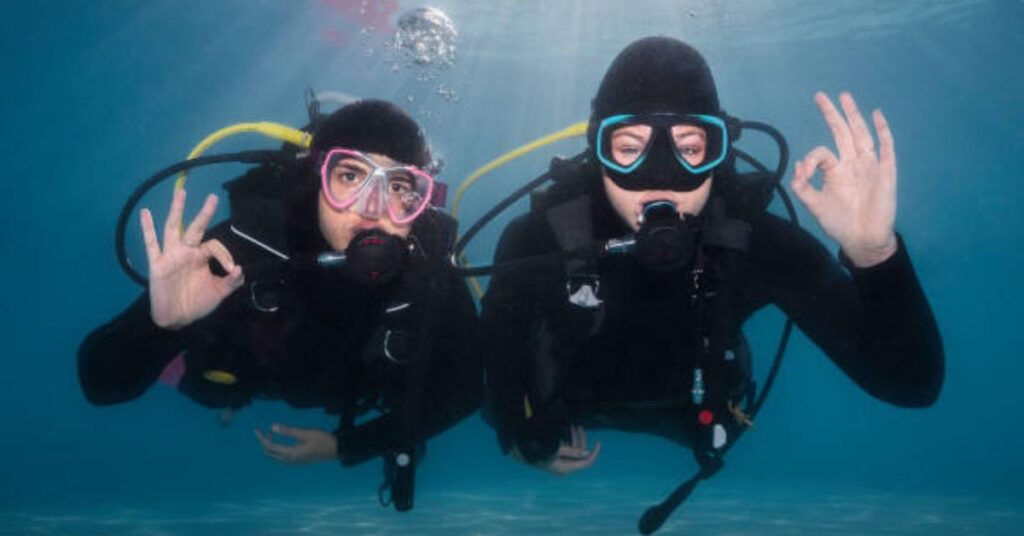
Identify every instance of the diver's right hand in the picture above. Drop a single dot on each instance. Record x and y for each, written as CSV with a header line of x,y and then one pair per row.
x,y
574,456
181,287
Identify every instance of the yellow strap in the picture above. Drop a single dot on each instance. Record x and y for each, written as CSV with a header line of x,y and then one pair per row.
x,y
276,131
577,129
474,282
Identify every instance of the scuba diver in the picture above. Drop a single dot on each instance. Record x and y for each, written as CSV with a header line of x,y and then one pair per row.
x,y
329,286
642,332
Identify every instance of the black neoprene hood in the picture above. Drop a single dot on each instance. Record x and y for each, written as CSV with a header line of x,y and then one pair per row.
x,y
652,75
374,126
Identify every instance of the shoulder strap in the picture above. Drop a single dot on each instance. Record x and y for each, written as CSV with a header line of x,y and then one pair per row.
x,y
720,230
572,226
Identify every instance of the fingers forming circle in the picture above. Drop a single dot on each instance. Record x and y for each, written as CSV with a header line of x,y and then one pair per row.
x,y
820,158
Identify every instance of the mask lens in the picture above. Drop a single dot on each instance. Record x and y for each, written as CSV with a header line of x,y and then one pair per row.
x,y
627,142
699,142
691,143
408,192
346,175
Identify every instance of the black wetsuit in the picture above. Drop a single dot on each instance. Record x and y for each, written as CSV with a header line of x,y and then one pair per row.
x,y
550,362
322,347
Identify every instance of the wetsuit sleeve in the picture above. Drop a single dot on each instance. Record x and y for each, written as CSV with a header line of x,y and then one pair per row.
x,y
121,359
509,342
452,390
874,323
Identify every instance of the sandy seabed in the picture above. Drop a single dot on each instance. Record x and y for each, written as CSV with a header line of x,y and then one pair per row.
x,y
595,509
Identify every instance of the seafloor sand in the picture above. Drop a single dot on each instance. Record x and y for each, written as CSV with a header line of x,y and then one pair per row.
x,y
601,509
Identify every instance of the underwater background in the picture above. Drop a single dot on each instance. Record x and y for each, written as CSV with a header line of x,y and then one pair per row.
x,y
98,95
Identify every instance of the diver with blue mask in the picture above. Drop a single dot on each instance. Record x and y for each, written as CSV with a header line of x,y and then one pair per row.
x,y
327,287
662,151
618,301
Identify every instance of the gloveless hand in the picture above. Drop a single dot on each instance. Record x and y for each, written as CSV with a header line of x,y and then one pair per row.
x,y
856,205
311,444
181,287
574,456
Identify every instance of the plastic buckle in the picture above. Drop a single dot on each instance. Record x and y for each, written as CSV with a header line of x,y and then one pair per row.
x,y
587,287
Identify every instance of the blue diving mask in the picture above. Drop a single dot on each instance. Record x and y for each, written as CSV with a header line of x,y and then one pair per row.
x,y
661,151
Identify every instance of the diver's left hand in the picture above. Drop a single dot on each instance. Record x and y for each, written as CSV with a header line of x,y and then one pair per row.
x,y
312,444
574,456
856,205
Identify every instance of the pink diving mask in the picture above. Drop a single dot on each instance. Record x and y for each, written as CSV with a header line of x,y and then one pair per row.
x,y
352,181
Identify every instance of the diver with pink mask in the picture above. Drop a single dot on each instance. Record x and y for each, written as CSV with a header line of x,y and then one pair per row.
x,y
373,326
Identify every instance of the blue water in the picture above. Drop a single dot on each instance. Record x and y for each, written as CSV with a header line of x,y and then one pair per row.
x,y
98,95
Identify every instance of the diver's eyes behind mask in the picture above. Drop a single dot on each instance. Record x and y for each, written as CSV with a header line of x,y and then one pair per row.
x,y
352,181
646,151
